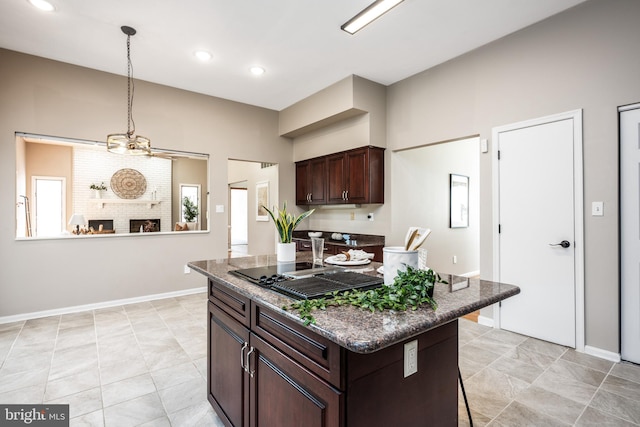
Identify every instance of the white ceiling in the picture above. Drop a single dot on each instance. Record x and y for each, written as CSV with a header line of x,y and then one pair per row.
x,y
298,42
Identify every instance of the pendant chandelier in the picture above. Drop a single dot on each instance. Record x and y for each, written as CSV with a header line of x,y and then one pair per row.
x,y
129,143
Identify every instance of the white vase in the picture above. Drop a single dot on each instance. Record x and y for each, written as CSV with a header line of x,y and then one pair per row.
x,y
97,194
396,258
286,252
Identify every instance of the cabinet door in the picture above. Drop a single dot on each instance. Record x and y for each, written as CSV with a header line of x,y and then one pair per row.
x,y
336,178
317,181
227,383
357,176
284,394
302,183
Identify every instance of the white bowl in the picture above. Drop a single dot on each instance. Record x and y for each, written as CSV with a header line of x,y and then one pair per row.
x,y
315,234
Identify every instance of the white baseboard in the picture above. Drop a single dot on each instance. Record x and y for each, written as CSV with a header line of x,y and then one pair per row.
x,y
99,305
486,321
602,354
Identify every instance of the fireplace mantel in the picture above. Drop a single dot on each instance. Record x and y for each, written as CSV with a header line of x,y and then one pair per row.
x,y
102,202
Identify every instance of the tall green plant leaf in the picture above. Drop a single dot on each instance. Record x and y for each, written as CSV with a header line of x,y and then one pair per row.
x,y
285,222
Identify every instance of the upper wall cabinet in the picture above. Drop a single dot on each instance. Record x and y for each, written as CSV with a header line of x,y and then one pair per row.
x,y
354,176
311,182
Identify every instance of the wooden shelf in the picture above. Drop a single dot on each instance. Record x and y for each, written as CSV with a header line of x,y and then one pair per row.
x,y
102,202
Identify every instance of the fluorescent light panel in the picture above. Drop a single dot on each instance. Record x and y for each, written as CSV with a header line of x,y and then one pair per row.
x,y
368,15
43,5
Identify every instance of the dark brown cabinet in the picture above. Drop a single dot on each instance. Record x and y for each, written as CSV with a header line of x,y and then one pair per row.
x,y
252,383
264,369
311,182
353,176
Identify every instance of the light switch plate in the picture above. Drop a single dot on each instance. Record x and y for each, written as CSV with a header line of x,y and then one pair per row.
x,y
597,209
484,145
219,208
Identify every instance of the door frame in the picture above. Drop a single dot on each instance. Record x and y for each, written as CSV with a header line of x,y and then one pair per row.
x,y
621,109
578,203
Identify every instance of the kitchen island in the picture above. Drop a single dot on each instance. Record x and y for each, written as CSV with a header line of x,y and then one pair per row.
x,y
266,368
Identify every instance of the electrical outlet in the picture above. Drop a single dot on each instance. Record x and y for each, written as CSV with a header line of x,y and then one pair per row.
x,y
455,259
410,358
353,216
370,216
187,270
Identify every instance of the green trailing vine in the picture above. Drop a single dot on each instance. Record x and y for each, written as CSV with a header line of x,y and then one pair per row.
x,y
409,290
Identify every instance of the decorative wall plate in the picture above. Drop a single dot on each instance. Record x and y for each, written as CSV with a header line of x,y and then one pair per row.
x,y
128,184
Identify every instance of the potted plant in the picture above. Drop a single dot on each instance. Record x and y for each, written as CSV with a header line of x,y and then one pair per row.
x,y
98,189
190,212
285,224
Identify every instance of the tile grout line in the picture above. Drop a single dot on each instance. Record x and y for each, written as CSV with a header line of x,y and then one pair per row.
x,y
95,331
24,322
53,353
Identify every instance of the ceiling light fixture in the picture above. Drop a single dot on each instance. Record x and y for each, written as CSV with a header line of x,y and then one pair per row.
x,y
129,143
368,15
203,55
42,5
257,71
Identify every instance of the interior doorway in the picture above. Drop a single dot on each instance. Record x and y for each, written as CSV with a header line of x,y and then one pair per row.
x,y
249,232
238,225
422,189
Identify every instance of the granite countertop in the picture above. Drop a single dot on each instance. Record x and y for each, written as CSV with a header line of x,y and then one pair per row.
x,y
359,330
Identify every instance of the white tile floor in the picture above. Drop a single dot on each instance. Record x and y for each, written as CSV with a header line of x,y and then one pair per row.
x,y
145,365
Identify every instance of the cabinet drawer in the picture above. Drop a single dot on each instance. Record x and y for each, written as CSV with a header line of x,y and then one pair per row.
x,y
232,303
311,350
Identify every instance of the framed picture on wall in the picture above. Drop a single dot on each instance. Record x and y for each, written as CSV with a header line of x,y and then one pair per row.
x,y
459,196
262,199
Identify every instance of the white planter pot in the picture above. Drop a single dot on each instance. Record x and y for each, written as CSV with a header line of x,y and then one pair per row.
x,y
286,252
97,194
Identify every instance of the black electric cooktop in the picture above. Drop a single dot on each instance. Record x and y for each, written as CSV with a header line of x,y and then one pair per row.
x,y
314,284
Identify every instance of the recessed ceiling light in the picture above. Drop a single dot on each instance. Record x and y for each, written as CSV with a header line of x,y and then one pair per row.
x,y
257,71
43,5
203,55
372,12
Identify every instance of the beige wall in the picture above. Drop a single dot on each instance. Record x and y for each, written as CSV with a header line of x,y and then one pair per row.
x,y
583,58
52,98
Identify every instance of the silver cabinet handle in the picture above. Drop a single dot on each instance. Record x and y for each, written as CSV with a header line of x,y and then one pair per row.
x,y
244,346
346,195
248,364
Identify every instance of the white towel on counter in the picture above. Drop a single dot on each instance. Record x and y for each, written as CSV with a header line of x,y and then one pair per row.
x,y
353,255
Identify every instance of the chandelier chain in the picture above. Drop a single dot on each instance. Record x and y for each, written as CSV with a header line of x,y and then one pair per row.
x,y
131,124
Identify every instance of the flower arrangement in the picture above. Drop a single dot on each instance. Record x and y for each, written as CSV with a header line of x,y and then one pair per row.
x,y
100,187
285,222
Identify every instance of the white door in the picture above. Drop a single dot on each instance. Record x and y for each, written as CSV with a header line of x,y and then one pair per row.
x,y
630,232
538,227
